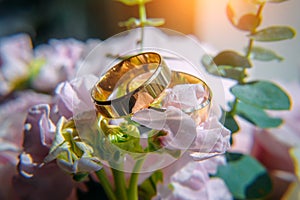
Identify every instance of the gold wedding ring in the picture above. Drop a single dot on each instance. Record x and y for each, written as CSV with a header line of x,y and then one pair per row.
x,y
185,78
131,85
199,112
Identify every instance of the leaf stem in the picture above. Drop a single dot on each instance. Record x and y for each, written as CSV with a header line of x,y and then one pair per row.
x,y
260,9
143,19
251,41
247,55
249,48
234,106
133,184
105,184
119,180
142,13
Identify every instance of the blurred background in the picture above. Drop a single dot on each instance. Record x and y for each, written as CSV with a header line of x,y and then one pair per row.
x,y
206,19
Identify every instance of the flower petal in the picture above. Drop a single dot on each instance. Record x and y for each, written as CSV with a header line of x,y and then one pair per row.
x,y
210,141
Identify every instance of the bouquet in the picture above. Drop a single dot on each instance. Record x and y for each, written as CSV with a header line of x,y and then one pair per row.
x,y
142,115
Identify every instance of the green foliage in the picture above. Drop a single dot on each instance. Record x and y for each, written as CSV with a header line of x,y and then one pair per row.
x,y
231,58
263,54
245,177
256,116
273,33
134,22
230,123
133,2
262,94
125,135
251,98
148,189
228,64
247,22
143,20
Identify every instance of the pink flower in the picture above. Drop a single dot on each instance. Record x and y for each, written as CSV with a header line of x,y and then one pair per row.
x,y
187,179
43,67
12,117
61,59
15,55
74,97
203,140
38,136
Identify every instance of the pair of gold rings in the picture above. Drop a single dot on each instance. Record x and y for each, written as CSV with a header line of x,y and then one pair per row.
x,y
136,82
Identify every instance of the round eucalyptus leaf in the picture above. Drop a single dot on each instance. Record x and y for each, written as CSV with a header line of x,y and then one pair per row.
x,y
273,33
262,94
263,54
256,116
245,177
231,58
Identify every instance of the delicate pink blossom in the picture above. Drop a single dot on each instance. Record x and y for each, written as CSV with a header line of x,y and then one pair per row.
x,y
61,59
189,180
207,139
12,117
15,56
38,136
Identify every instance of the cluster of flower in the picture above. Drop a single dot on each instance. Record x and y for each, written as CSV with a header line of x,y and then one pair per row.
x,y
38,90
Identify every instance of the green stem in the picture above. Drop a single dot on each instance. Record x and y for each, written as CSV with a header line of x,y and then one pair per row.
x,y
260,9
142,13
233,109
143,19
120,184
251,41
133,184
249,48
105,184
248,52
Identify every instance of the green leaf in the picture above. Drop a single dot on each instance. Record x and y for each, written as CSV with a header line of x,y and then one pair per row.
x,y
262,54
273,33
247,22
133,2
207,62
235,73
230,123
231,58
223,66
147,189
154,22
256,116
262,94
130,23
245,177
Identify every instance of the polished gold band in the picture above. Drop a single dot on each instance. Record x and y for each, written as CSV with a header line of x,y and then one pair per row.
x,y
199,112
185,78
121,92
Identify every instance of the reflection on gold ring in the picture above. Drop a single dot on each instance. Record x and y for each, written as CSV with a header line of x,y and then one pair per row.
x,y
118,93
198,112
